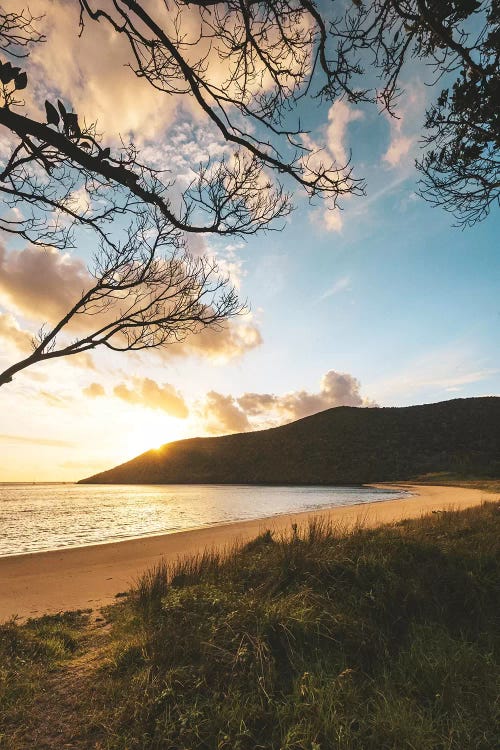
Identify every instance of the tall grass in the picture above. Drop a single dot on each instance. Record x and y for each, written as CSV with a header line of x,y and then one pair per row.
x,y
371,639
323,639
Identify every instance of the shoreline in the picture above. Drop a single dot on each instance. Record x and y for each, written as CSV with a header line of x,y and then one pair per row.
x,y
215,524
37,583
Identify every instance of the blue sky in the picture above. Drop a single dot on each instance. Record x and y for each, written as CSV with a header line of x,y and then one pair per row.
x,y
385,302
400,296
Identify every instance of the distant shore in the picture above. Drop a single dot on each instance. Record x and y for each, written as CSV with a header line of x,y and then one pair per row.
x,y
90,577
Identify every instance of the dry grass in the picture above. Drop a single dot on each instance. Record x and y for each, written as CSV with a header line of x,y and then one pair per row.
x,y
372,639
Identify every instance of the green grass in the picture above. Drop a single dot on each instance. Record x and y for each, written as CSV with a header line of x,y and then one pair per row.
x,y
373,639
29,654
446,479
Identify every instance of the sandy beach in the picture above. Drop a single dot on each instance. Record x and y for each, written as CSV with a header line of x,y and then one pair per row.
x,y
89,577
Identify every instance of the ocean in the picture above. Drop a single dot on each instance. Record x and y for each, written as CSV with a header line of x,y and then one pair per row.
x,y
36,517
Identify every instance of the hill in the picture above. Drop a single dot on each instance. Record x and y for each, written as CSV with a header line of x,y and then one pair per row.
x,y
345,445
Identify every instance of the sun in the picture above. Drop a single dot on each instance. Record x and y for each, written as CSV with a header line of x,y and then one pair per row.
x,y
153,431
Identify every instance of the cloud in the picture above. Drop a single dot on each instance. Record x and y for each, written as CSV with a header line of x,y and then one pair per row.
x,y
222,414
343,284
340,115
232,340
11,331
52,400
27,439
41,283
90,73
94,390
450,369
149,394
399,147
332,219
336,389
83,360
405,129
256,404
226,413
230,264
93,72
447,380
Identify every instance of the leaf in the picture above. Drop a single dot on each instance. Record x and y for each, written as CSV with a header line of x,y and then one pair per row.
x,y
21,81
105,153
52,114
6,73
85,145
62,108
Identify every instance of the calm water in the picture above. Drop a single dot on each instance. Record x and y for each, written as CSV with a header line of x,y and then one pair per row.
x,y
52,516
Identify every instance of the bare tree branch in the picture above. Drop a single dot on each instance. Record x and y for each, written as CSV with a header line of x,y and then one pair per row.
x,y
248,66
138,298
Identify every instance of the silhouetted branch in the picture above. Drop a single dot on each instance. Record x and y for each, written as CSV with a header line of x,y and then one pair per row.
x,y
138,298
276,53
247,66
18,32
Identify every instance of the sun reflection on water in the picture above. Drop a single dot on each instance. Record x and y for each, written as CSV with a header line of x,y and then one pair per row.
x,y
52,516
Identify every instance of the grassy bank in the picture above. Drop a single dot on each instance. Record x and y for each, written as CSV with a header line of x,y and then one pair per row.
x,y
372,639
447,479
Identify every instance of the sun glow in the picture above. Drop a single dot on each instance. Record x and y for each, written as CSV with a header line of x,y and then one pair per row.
x,y
153,431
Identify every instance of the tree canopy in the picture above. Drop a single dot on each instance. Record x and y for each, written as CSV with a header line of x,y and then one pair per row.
x,y
249,68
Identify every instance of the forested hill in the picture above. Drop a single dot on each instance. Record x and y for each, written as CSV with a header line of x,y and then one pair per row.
x,y
344,445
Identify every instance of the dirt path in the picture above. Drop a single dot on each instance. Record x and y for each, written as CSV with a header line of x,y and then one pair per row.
x,y
56,720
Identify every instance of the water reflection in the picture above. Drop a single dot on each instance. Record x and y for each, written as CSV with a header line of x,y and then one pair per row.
x,y
52,516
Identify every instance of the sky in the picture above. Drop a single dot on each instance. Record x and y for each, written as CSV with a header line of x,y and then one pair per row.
x,y
384,303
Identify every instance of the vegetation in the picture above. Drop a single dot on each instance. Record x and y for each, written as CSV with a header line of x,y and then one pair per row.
x,y
345,445
373,639
28,655
253,71
447,478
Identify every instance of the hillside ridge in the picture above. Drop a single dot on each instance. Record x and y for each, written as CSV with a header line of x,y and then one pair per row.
x,y
342,445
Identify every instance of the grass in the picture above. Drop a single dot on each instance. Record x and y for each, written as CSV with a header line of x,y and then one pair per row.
x,y
371,639
445,478
29,654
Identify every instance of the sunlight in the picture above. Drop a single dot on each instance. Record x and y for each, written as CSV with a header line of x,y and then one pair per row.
x,y
152,431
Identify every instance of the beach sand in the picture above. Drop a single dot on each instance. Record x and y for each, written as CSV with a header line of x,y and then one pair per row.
x,y
89,577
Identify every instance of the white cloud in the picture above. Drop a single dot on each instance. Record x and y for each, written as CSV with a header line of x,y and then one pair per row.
x,y
11,332
406,127
31,440
90,72
227,413
336,150
449,369
43,284
148,393
340,115
343,284
332,220
94,390
222,414
399,147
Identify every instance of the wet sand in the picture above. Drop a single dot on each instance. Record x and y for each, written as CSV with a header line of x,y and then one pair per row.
x,y
89,577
